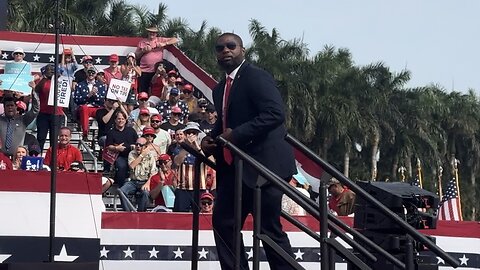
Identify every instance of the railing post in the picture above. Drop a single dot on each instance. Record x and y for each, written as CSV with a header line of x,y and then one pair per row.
x,y
323,226
238,211
409,259
257,225
196,213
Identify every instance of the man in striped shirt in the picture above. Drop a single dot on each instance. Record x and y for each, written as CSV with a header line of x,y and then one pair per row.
x,y
185,163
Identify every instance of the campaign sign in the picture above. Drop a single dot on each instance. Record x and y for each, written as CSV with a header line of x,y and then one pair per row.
x,y
32,163
168,196
118,90
16,82
18,68
63,98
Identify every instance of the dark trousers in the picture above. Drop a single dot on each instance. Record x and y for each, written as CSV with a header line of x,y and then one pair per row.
x,y
223,223
121,170
144,82
45,125
183,200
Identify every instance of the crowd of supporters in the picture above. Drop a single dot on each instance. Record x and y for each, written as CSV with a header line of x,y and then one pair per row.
x,y
139,139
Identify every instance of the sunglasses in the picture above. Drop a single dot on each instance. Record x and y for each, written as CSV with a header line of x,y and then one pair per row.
x,y
206,203
91,72
230,45
144,114
177,114
155,122
187,92
191,132
17,53
143,99
88,62
140,144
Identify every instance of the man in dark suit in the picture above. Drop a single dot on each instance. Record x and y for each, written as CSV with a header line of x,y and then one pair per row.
x,y
251,115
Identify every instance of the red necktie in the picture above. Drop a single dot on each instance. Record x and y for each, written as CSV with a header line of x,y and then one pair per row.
x,y
227,155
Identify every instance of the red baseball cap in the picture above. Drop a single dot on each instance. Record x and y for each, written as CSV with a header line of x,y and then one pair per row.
x,y
164,157
21,105
156,117
149,131
207,195
113,58
172,73
176,109
142,95
87,57
188,87
144,111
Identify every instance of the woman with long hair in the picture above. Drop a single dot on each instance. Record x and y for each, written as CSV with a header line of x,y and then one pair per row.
x,y
17,158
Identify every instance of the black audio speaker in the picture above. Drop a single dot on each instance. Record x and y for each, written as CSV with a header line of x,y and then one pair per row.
x,y
416,206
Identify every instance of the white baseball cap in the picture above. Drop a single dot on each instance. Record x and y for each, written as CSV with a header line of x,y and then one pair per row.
x,y
18,50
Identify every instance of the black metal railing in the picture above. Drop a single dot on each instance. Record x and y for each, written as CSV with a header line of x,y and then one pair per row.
x,y
412,232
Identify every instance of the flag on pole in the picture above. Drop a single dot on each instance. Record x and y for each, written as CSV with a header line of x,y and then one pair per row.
x,y
450,204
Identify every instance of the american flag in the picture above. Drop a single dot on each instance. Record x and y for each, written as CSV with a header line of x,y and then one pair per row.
x,y
450,204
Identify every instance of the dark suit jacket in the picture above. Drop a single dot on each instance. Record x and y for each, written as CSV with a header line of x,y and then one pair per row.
x,y
256,114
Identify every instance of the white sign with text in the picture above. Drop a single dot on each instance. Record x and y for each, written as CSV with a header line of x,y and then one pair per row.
x,y
64,91
118,90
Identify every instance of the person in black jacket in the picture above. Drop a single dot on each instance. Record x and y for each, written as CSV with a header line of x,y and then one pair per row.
x,y
251,115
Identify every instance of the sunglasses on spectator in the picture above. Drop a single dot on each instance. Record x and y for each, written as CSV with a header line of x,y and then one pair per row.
x,y
91,72
191,132
229,45
17,53
88,62
154,121
187,92
206,202
144,114
143,99
140,144
177,114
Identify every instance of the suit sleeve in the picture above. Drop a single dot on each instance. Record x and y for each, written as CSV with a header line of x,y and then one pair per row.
x,y
266,100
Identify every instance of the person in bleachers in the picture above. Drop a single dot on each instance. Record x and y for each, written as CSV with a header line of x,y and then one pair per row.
x,y
120,139
17,158
69,63
168,84
189,98
206,203
113,71
105,119
179,137
185,162
45,123
143,166
18,56
131,72
149,134
5,163
173,123
208,124
81,74
66,152
159,83
166,107
142,121
166,176
101,78
342,199
143,103
150,52
34,150
163,139
13,125
89,95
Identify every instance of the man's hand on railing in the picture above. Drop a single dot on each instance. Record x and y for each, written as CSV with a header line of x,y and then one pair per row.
x,y
208,146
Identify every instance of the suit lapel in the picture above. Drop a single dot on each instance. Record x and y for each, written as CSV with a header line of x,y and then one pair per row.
x,y
236,81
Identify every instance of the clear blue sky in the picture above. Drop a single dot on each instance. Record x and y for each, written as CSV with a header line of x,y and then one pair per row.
x,y
437,40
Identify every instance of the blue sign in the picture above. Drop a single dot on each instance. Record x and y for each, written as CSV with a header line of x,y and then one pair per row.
x,y
18,68
32,163
16,82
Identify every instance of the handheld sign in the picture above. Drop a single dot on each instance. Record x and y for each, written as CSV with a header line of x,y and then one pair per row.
x,y
63,98
32,163
118,90
18,68
16,82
